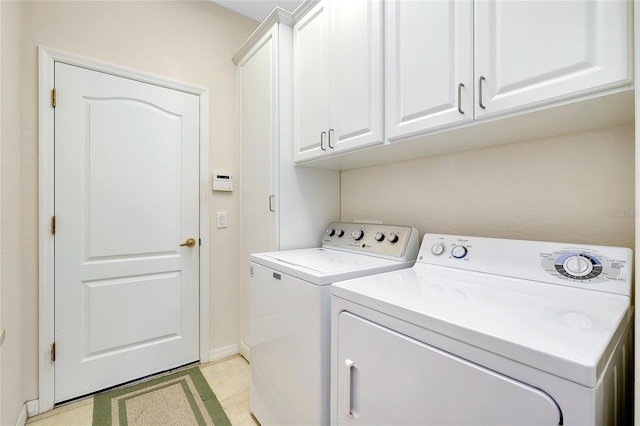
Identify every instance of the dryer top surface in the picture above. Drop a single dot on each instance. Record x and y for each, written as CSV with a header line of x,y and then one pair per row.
x,y
562,330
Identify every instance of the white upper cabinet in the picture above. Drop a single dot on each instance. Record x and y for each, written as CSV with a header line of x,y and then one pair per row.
x,y
338,78
450,62
429,67
531,53
311,83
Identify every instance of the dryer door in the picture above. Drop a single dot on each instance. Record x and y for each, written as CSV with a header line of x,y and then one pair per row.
x,y
387,378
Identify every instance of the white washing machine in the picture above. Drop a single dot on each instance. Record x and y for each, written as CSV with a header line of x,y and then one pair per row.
x,y
290,314
485,331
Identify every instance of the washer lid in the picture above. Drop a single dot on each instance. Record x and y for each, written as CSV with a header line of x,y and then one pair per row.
x,y
322,266
565,331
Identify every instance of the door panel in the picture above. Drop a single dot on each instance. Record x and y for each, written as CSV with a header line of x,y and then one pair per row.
x,y
117,299
126,197
119,156
356,74
535,52
311,83
429,54
388,378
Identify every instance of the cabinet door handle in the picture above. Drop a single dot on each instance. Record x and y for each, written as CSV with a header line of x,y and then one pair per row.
x,y
330,132
322,135
348,390
271,200
480,92
460,86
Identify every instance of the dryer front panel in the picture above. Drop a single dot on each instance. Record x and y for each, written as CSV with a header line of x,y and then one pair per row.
x,y
388,378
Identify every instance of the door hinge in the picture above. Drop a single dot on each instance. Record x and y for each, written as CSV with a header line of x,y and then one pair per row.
x,y
53,225
53,352
53,97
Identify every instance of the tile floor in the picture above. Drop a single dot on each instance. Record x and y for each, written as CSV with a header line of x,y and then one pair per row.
x,y
228,378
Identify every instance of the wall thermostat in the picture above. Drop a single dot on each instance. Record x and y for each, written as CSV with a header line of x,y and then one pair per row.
x,y
222,183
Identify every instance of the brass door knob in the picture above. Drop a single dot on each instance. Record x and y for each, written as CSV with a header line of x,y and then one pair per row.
x,y
189,243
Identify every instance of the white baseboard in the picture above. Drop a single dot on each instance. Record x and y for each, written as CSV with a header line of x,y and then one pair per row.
x,y
33,407
223,352
22,418
29,409
244,351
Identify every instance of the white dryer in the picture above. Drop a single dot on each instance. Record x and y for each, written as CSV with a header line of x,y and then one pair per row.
x,y
486,331
290,297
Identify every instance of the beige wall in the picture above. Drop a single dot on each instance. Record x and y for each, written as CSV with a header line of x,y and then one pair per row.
x,y
575,188
191,42
12,311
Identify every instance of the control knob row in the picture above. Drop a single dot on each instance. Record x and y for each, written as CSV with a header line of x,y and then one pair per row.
x,y
457,251
392,237
332,232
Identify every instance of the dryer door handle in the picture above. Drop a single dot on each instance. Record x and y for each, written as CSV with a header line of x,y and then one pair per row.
x,y
349,388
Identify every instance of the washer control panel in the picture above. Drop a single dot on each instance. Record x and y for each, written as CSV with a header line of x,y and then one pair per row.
x,y
594,267
390,241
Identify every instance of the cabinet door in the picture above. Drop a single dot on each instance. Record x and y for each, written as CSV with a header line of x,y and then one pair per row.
x,y
311,83
530,53
429,80
387,378
258,138
356,74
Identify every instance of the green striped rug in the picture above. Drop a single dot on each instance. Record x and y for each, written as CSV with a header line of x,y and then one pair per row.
x,y
182,398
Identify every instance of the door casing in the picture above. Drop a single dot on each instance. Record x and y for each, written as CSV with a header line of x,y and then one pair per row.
x,y
47,59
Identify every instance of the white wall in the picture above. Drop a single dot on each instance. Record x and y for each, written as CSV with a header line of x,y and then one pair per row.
x,y
574,188
189,41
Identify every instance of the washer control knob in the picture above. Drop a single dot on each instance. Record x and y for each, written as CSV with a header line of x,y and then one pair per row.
x,y
340,233
379,236
331,232
437,249
393,238
358,234
459,252
578,266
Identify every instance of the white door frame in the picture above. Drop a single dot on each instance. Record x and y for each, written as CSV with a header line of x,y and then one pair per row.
x,y
47,58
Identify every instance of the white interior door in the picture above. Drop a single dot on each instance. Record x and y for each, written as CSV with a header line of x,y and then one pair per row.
x,y
126,197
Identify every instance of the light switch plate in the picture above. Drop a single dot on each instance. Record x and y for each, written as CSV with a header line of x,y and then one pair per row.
x,y
222,219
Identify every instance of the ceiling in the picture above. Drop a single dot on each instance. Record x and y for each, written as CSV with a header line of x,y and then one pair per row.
x,y
257,9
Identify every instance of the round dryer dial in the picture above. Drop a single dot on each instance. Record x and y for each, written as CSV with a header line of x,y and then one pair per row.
x,y
438,249
580,266
459,252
